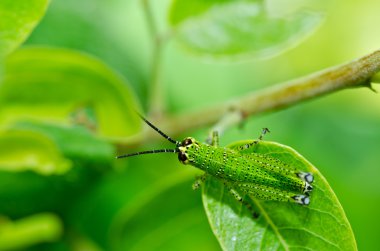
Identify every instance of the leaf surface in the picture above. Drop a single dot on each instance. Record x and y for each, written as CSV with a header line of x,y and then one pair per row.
x,y
18,19
67,87
44,165
280,226
31,230
239,28
22,150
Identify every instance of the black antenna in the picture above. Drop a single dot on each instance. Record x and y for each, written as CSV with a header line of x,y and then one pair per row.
x,y
148,152
177,143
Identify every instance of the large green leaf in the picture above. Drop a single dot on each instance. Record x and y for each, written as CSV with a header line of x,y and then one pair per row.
x,y
22,150
47,149
75,142
146,210
44,165
18,19
65,86
28,231
281,226
239,28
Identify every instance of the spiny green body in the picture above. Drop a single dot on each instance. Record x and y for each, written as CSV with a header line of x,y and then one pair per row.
x,y
255,174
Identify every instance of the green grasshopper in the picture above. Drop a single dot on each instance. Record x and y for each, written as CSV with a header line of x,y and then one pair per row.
x,y
243,173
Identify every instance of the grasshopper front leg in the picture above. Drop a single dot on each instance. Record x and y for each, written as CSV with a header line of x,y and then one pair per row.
x,y
199,180
215,139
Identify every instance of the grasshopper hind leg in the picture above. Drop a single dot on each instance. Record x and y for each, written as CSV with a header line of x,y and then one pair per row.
x,y
308,188
308,177
302,199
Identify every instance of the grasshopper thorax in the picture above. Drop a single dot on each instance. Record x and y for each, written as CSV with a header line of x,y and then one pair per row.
x,y
186,144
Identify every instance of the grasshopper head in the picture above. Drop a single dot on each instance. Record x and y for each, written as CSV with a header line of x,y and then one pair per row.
x,y
186,144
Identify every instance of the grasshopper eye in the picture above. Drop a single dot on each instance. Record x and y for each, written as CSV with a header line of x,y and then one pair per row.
x,y
182,157
187,141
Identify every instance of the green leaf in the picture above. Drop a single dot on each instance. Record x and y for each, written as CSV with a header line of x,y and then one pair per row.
x,y
18,19
44,165
239,28
147,210
47,149
67,87
322,225
22,150
163,226
136,214
75,142
23,233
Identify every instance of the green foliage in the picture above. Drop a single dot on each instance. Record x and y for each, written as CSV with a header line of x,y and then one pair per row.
x,y
64,114
76,84
40,162
238,28
29,231
25,150
281,226
160,230
18,19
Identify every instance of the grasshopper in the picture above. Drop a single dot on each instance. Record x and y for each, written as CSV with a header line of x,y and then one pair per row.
x,y
243,173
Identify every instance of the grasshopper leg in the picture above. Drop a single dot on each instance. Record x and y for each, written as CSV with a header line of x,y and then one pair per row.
x,y
255,142
308,177
240,199
199,180
302,199
215,139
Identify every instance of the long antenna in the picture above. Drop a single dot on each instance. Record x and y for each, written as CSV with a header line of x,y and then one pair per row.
x,y
148,152
177,143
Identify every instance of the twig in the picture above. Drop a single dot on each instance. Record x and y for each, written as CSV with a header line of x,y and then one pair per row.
x,y
357,73
156,98
354,74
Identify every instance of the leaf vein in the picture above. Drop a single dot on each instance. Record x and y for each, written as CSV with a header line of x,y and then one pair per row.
x,y
311,233
272,225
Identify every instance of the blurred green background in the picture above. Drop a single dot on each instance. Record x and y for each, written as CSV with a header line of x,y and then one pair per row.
x,y
146,203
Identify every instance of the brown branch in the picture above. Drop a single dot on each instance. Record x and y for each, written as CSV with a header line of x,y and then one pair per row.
x,y
357,73
354,74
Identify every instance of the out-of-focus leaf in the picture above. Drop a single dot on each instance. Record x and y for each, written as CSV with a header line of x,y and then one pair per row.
x,y
75,142
67,87
28,231
149,224
281,226
31,190
22,150
238,28
17,20
135,217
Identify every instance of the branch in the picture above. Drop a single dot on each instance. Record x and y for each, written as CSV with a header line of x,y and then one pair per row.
x,y
156,97
358,73
354,74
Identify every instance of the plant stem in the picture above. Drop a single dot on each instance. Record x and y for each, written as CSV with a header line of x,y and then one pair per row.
x,y
376,78
354,74
156,98
357,73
